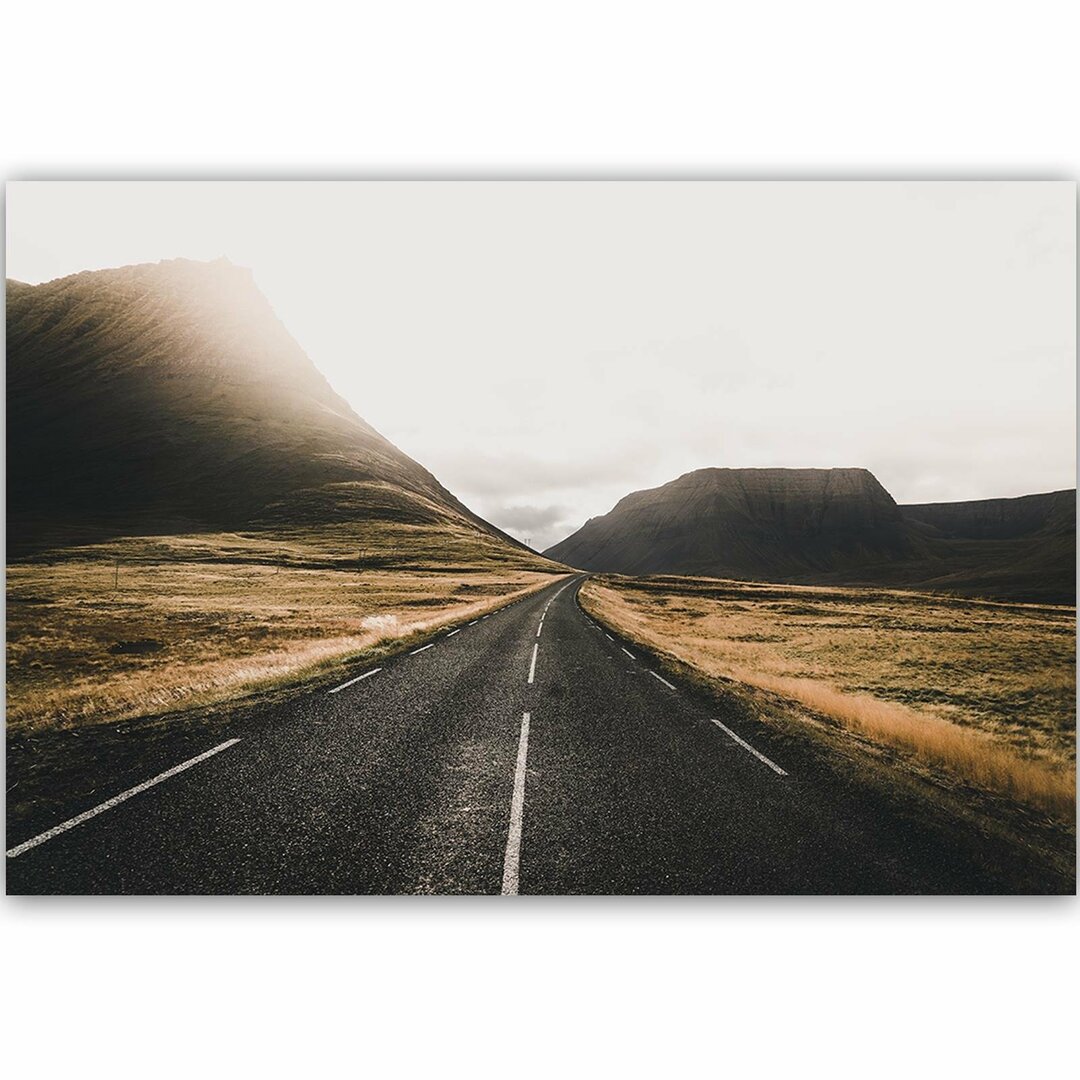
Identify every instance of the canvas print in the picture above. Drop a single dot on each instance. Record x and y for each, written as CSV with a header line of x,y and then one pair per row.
x,y
540,538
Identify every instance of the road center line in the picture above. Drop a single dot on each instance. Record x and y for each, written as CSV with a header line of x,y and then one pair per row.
x,y
532,666
627,651
512,858
746,746
608,636
116,800
422,648
662,679
366,675
474,622
453,632
540,627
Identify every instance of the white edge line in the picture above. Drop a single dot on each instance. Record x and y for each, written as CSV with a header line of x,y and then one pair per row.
x,y
746,746
662,679
608,636
512,858
627,651
422,648
532,666
453,632
63,827
474,622
366,675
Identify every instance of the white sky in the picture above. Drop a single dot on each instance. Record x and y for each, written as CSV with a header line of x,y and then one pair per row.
x,y
545,348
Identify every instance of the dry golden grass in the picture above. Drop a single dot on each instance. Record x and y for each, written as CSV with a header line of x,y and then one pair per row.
x,y
211,618
986,691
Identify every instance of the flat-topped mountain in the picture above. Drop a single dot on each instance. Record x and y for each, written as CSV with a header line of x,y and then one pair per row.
x,y
168,397
749,523
837,526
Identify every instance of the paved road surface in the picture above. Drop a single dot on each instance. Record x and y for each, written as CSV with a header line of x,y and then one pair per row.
x,y
528,752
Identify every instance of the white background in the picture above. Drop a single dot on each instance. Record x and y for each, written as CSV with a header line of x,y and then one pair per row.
x,y
883,988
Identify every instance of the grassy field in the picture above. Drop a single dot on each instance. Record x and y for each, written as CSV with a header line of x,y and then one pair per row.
x,y
984,691
144,626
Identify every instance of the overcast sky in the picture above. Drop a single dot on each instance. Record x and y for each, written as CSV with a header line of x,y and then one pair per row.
x,y
545,348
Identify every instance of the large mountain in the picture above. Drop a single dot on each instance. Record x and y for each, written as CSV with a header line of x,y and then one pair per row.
x,y
836,526
744,523
168,398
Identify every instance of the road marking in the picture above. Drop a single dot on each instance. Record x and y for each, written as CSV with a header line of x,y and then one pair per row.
x,y
474,622
453,632
540,627
608,636
116,800
662,679
512,858
746,746
422,648
532,666
627,651
366,675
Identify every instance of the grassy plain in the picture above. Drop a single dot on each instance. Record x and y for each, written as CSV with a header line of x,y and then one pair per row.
x,y
145,626
984,691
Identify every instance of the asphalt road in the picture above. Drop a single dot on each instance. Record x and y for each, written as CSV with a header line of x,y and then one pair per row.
x,y
528,752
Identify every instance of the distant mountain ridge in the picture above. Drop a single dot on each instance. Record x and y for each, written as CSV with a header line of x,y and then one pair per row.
x,y
835,526
1022,548
998,519
169,397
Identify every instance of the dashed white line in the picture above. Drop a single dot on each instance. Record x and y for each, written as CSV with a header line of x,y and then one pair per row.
x,y
474,622
608,636
422,648
746,746
540,627
662,679
366,675
116,800
532,666
453,632
627,651
512,858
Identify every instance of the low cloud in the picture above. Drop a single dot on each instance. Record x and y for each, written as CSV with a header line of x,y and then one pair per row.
x,y
530,517
540,526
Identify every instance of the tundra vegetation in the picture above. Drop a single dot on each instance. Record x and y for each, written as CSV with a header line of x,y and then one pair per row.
x,y
143,626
